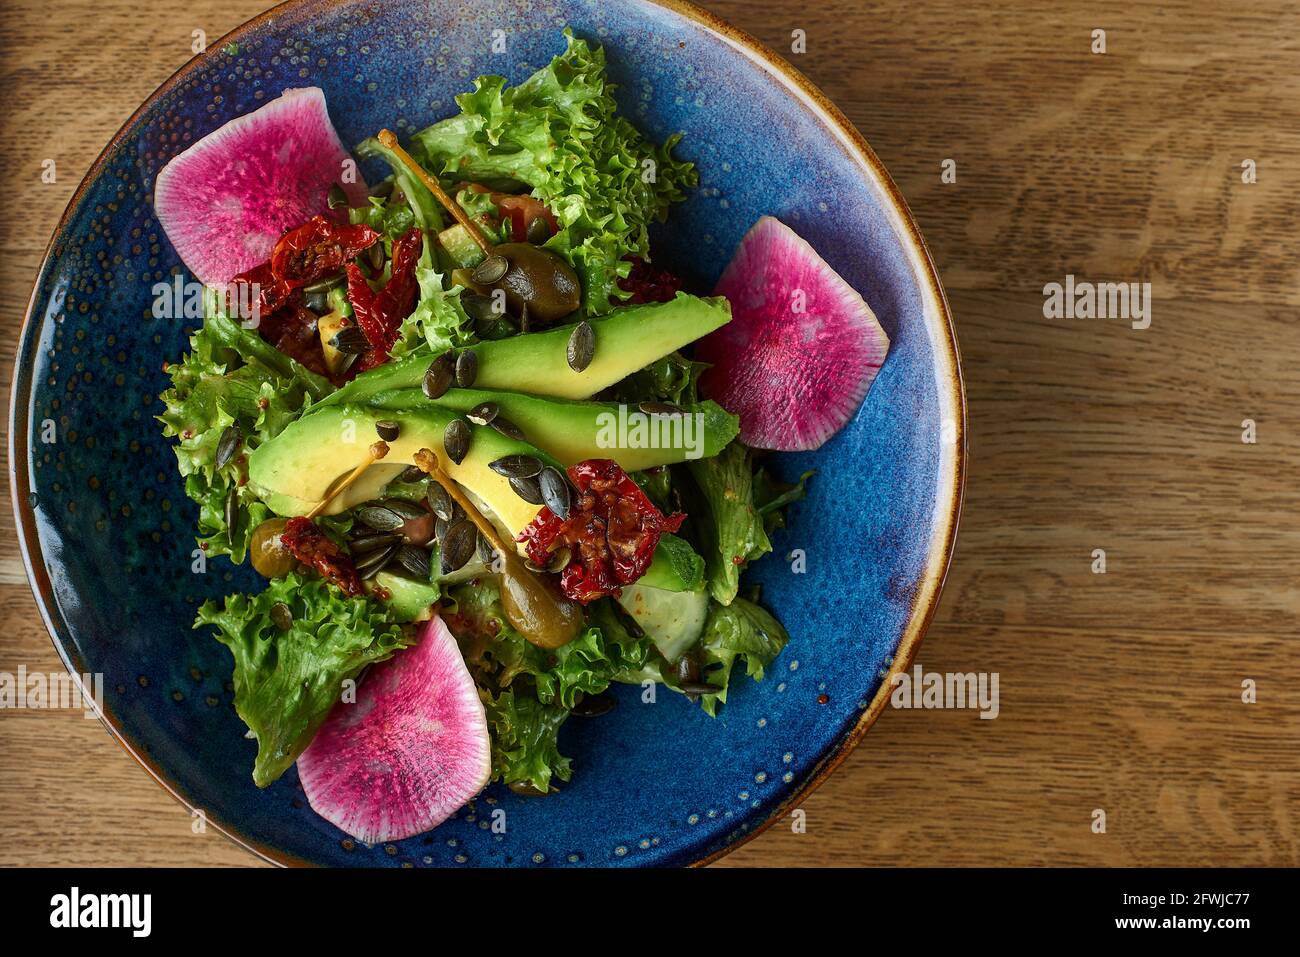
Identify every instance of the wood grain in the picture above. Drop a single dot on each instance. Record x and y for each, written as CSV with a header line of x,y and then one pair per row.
x,y
1119,691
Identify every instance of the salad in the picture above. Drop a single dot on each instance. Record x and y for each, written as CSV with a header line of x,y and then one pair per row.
x,y
490,459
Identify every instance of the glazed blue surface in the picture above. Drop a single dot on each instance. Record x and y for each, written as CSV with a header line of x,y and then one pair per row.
x,y
653,783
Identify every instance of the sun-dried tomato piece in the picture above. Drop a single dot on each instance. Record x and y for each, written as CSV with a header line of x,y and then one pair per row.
x,y
648,284
521,211
267,293
317,249
611,532
380,315
311,546
293,330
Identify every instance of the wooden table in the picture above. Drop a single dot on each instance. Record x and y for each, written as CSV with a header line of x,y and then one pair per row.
x,y
1121,691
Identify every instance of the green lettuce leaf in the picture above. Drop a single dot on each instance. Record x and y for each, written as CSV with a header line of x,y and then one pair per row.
x,y
230,377
730,529
772,497
424,209
286,682
529,691
524,736
742,630
671,378
559,133
605,651
439,321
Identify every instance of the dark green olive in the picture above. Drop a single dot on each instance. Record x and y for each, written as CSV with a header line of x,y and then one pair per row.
x,y
270,558
539,279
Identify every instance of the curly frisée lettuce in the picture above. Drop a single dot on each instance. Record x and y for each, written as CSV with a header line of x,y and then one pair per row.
x,y
286,681
741,631
525,750
537,688
559,132
230,379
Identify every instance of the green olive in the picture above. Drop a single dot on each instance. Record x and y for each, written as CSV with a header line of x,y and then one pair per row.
x,y
270,558
536,609
539,279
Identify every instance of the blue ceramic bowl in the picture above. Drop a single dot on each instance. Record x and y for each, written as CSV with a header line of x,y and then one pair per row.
x,y
107,530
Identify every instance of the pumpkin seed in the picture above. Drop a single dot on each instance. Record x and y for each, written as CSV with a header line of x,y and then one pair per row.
x,y
318,302
376,562
439,376
458,545
490,330
367,543
631,624
455,440
593,706
414,560
490,270
478,307
407,509
686,669
388,430
516,466
538,231
232,513
525,321
350,340
555,491
559,560
380,518
440,502
528,489
336,198
440,528
466,368
326,284
582,346
507,428
487,553
697,688
483,413
660,408
411,474
281,616
375,256
228,445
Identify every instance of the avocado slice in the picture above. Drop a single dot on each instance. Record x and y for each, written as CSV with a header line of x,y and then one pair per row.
x,y
574,431
296,469
409,600
674,620
670,601
676,566
536,362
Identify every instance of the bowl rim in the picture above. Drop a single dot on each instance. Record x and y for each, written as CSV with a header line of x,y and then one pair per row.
x,y
925,598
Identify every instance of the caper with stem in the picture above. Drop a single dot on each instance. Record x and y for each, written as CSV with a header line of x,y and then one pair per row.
x,y
532,605
536,279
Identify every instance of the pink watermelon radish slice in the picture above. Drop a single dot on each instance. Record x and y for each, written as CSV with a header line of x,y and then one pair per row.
x,y
411,750
802,348
225,201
